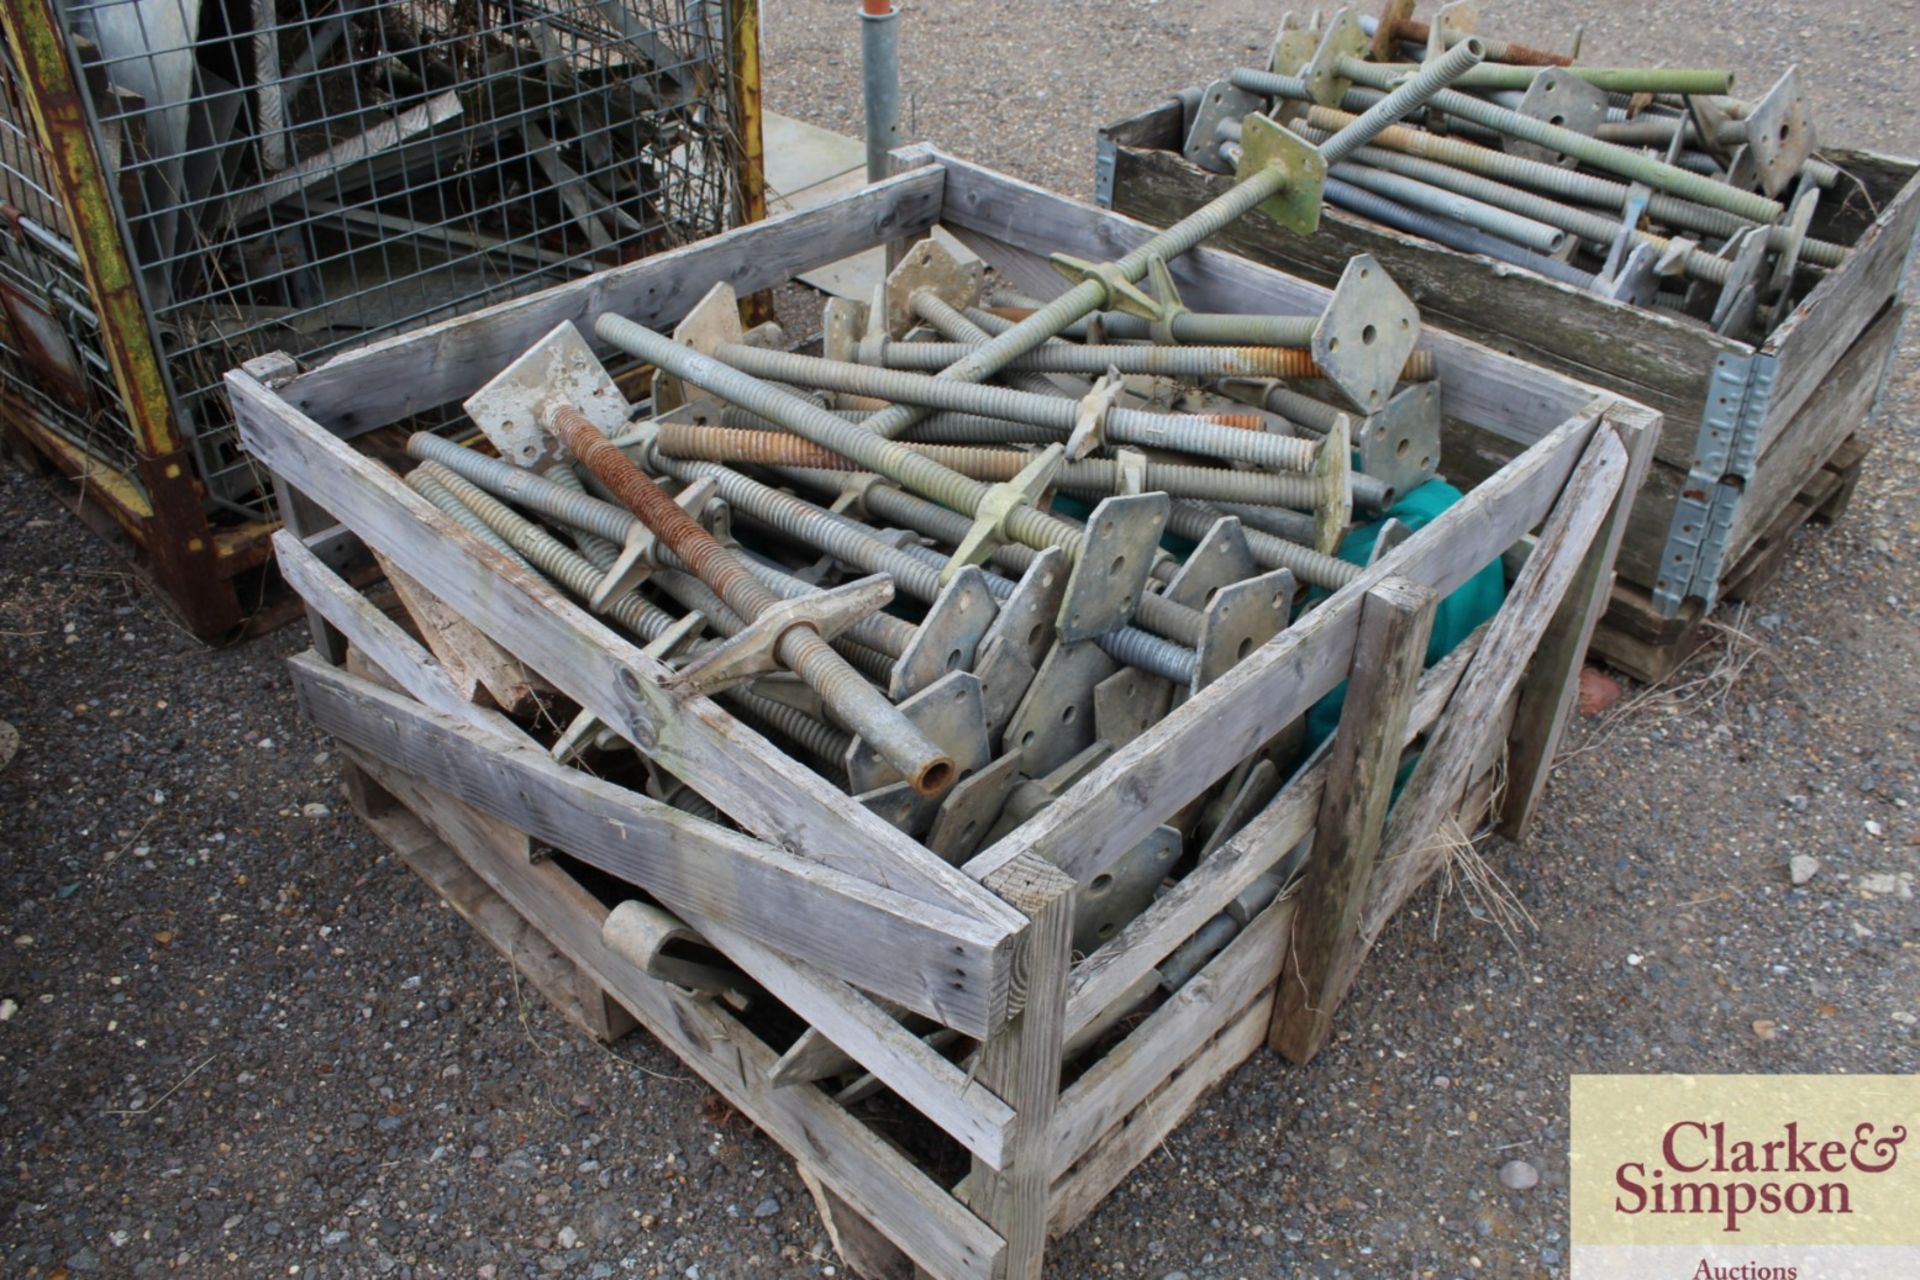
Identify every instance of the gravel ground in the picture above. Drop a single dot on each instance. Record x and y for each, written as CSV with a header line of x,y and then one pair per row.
x,y
237,1037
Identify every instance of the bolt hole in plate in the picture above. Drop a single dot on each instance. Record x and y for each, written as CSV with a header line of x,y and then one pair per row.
x,y
1130,885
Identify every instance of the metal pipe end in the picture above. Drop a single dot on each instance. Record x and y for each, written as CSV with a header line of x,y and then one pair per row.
x,y
1476,44
935,776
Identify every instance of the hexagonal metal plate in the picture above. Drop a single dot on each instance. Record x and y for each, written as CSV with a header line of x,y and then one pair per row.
x,y
1264,144
1385,45
1366,334
1128,703
949,636
1005,675
842,322
971,808
560,369
1107,902
1344,38
1239,619
1400,445
1220,101
1560,98
1106,582
929,266
1220,557
1780,134
1055,720
1740,295
1027,617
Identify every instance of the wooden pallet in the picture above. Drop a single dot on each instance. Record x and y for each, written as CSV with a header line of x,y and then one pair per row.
x,y
1636,639
843,920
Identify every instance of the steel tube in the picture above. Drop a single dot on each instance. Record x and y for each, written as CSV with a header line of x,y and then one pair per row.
x,y
843,691
1526,232
1126,426
1172,362
880,82
1601,155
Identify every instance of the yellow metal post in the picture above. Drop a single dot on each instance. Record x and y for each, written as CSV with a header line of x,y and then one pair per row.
x,y
743,52
177,540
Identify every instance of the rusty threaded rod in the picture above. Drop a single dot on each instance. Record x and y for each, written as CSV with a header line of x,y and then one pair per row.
x,y
845,694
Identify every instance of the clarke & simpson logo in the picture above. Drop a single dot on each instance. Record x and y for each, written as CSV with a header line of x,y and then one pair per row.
x,y
1744,1177
1703,1171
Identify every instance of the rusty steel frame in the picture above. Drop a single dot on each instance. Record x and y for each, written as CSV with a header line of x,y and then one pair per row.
x,y
158,504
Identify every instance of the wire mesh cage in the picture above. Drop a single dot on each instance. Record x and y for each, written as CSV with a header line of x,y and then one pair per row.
x,y
304,175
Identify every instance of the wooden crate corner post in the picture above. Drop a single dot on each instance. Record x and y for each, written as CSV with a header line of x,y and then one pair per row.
x,y
1324,951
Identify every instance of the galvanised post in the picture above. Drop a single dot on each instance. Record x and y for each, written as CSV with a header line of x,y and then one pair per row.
x,y
1495,76
1571,184
801,649
1094,475
1601,155
492,520
1187,434
1585,223
1159,361
601,528
1192,520
1264,331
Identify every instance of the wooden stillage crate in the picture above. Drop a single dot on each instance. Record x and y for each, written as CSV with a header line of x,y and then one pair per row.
x,y
1746,426
844,920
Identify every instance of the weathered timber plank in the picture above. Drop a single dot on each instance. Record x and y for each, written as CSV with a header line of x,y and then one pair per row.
x,y
476,664
963,1107
1157,773
377,636
749,778
399,377
1413,847
1829,319
861,1167
1552,679
1395,619
934,962
1133,1069
1021,1063
1794,453
1138,1134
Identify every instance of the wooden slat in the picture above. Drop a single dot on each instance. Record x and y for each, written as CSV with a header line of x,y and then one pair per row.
x,y
941,1091
1249,853
379,637
1825,324
399,377
1115,806
862,1168
1021,1063
1132,1070
476,664
964,1108
1137,1135
934,962
755,783
1395,620
1552,679
1413,847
